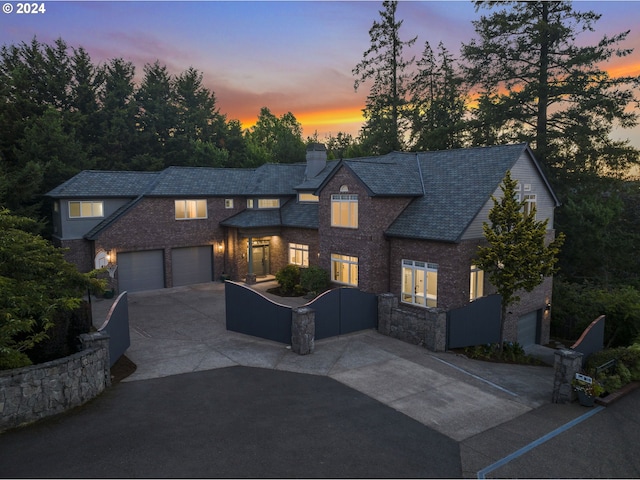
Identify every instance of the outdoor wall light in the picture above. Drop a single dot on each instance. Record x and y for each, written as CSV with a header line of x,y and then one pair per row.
x,y
548,307
108,256
220,247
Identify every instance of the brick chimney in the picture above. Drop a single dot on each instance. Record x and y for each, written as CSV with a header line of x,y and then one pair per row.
x,y
316,159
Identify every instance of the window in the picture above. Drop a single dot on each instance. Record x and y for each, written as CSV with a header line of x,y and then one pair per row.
x,y
299,254
344,210
268,203
308,197
420,283
529,204
476,284
264,203
228,203
344,269
190,209
85,209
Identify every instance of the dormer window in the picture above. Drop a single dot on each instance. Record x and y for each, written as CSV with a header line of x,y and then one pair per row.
x,y
308,198
263,203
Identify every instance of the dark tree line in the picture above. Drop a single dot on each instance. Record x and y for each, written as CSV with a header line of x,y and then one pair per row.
x,y
60,113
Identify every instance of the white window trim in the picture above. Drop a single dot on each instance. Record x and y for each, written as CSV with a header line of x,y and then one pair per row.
x,y
530,199
186,209
84,202
476,283
351,200
430,301
228,203
346,260
296,249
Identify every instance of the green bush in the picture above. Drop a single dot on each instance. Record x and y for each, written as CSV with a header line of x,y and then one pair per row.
x,y
626,370
288,278
314,279
575,306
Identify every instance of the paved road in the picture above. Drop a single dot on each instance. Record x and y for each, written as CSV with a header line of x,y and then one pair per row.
x,y
209,403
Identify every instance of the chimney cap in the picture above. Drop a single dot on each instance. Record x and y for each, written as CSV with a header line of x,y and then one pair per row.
x,y
317,147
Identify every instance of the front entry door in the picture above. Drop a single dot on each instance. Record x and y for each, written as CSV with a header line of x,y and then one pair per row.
x,y
260,255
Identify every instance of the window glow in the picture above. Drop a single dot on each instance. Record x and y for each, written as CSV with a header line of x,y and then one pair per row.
x,y
420,283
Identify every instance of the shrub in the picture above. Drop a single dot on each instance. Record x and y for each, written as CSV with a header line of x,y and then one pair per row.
x,y
626,370
288,278
314,279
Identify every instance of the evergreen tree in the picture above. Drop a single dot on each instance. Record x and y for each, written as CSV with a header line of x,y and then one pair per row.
x,y
516,256
549,91
157,115
437,107
383,63
118,139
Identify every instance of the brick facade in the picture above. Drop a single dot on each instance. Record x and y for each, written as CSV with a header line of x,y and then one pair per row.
x,y
367,242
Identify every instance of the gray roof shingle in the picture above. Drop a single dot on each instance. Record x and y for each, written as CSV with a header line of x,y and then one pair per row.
x,y
94,183
457,184
254,218
394,174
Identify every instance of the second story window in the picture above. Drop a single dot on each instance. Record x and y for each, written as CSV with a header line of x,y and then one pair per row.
x,y
263,203
191,209
529,204
268,203
85,209
344,210
228,203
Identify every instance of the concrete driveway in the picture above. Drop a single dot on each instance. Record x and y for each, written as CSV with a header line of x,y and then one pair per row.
x,y
182,330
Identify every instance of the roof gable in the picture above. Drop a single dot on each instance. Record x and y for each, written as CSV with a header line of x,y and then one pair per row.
x,y
457,185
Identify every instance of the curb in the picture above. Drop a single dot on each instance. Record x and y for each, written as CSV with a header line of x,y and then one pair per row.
x,y
615,396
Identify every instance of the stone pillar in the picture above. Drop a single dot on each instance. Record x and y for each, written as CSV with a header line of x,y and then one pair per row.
x,y
436,331
567,363
99,340
303,330
386,303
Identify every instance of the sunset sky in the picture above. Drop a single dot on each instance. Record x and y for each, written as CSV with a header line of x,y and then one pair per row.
x,y
288,56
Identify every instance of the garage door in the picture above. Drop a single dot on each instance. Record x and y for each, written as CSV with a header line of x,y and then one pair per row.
x,y
191,265
139,271
528,328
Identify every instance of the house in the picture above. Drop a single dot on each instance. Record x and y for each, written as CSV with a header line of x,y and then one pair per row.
x,y
405,223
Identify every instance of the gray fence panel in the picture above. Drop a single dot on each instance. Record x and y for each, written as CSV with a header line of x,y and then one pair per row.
x,y
251,313
358,310
327,314
475,324
117,326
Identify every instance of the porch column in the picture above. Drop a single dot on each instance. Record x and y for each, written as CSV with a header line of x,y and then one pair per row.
x,y
251,277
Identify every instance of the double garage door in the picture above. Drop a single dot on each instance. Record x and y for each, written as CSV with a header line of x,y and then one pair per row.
x,y
138,271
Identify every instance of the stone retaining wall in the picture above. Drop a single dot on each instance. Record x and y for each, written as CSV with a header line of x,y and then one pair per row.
x,y
426,327
31,393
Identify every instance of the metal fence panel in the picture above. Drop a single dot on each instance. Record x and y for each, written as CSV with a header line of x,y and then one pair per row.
x,y
358,310
327,314
475,324
117,326
251,313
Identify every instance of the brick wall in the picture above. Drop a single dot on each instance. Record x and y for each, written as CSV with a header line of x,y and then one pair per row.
x,y
367,242
151,225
